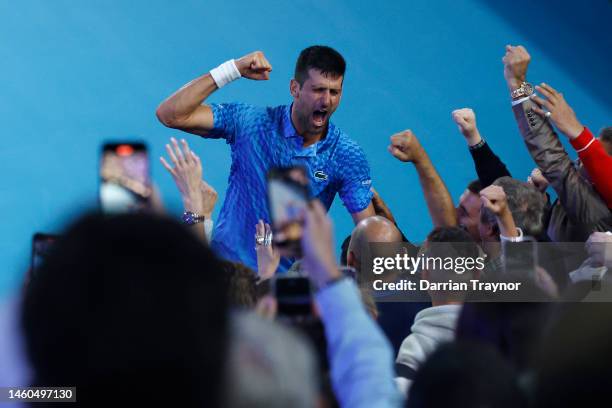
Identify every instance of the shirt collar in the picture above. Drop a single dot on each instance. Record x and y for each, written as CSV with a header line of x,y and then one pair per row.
x,y
289,131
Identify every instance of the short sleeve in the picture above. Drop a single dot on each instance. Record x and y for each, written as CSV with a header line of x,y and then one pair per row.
x,y
356,184
227,118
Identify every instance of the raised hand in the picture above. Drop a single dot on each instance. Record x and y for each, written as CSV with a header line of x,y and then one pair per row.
x,y
465,119
599,248
186,170
516,60
494,198
406,147
560,113
254,66
268,257
538,180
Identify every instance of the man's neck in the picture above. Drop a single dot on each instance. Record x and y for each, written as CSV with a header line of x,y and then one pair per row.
x,y
308,137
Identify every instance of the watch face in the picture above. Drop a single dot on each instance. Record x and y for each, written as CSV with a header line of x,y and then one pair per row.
x,y
527,88
188,218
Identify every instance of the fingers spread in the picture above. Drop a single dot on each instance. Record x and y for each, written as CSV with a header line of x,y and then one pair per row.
x,y
541,101
550,89
166,165
171,154
177,151
187,152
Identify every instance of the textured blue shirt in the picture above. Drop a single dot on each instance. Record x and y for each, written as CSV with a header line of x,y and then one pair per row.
x,y
262,138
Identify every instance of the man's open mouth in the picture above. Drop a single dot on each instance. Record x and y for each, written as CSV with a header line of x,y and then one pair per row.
x,y
319,117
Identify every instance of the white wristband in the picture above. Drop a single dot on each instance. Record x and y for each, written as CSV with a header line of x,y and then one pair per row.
x,y
225,73
513,239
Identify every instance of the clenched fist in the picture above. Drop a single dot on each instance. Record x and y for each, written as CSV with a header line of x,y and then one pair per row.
x,y
494,198
406,147
254,66
465,119
538,180
515,62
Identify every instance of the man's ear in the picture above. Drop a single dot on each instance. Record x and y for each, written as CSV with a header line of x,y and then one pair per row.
x,y
294,88
350,260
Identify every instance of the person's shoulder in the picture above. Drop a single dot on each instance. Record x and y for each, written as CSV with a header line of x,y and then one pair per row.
x,y
277,113
346,145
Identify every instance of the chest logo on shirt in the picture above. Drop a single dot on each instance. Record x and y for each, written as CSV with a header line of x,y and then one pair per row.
x,y
320,176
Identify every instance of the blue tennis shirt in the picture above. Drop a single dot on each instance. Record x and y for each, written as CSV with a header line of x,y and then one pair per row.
x,y
262,138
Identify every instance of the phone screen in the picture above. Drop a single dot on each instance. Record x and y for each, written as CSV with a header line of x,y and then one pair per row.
x,y
293,295
41,245
125,183
287,199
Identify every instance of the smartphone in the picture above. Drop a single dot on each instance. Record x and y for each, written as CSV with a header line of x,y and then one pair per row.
x,y
520,258
288,196
125,181
41,245
293,295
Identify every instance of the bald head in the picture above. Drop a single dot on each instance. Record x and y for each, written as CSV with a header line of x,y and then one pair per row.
x,y
371,229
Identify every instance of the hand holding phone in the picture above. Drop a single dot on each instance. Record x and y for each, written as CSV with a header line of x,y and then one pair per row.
x,y
288,198
125,182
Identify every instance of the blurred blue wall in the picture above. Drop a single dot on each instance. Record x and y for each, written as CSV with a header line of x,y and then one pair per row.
x,y
74,73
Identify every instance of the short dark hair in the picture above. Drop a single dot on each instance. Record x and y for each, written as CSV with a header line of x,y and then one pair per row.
x,y
320,57
241,284
605,134
461,242
453,377
475,186
128,303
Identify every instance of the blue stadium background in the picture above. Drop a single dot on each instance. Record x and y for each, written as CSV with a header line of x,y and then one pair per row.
x,y
75,73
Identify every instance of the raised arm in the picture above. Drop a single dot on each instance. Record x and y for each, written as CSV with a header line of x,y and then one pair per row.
x,y
488,165
361,359
594,158
198,196
580,201
406,147
184,109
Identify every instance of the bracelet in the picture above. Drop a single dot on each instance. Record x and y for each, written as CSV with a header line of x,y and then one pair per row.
x,y
225,73
477,145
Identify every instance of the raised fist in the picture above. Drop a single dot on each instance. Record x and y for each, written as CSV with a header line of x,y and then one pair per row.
x,y
515,62
254,66
538,180
494,198
599,248
406,147
465,119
